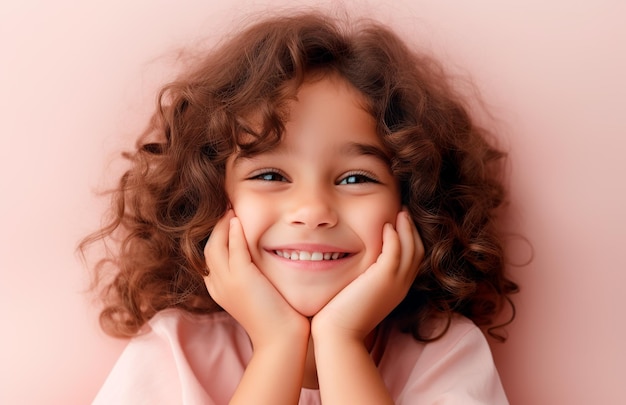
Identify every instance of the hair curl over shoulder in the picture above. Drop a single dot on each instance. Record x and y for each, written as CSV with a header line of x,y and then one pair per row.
x,y
169,200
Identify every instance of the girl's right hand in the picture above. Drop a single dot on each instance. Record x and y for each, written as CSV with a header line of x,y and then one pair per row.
x,y
239,287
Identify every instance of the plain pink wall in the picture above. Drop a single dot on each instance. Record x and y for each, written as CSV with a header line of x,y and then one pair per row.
x,y
76,80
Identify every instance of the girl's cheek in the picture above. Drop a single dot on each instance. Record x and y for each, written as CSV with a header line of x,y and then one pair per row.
x,y
250,218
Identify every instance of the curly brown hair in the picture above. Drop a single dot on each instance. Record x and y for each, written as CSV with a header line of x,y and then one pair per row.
x,y
170,198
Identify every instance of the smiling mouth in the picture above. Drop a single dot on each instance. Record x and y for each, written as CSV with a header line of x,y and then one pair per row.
x,y
301,255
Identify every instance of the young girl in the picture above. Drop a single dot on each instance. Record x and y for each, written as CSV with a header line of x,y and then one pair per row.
x,y
309,219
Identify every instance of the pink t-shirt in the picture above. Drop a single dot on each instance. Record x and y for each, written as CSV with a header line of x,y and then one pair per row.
x,y
199,359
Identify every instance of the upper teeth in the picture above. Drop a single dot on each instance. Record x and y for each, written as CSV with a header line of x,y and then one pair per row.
x,y
302,255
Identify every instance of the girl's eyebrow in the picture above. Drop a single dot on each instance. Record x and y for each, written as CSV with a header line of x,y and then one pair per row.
x,y
349,149
358,149
241,156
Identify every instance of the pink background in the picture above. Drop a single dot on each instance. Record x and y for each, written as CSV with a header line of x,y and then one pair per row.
x,y
77,81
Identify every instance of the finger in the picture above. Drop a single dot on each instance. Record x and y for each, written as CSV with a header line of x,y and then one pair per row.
x,y
238,253
216,257
216,248
419,244
219,234
417,240
390,256
412,242
407,240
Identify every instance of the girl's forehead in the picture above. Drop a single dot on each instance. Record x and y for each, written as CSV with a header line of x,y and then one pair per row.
x,y
326,118
322,101
331,83
327,103
322,83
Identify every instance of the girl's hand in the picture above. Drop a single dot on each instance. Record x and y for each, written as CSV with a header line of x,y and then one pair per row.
x,y
361,305
346,370
239,287
278,333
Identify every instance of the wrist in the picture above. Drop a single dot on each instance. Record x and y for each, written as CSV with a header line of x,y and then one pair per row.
x,y
328,333
292,333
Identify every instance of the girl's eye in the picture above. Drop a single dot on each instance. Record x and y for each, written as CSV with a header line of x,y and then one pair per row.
x,y
357,179
269,176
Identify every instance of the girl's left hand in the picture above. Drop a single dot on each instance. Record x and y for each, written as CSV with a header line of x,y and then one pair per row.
x,y
361,305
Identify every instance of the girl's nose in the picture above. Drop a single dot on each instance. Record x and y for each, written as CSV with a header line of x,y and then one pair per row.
x,y
312,210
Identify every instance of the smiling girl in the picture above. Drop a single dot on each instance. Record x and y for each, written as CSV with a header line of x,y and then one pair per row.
x,y
313,224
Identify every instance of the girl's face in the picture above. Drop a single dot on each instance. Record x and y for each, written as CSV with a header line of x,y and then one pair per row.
x,y
313,208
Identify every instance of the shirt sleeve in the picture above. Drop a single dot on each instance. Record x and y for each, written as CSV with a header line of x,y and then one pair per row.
x,y
140,376
153,369
455,370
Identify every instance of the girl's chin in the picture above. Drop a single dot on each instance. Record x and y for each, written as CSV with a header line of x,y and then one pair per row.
x,y
307,309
